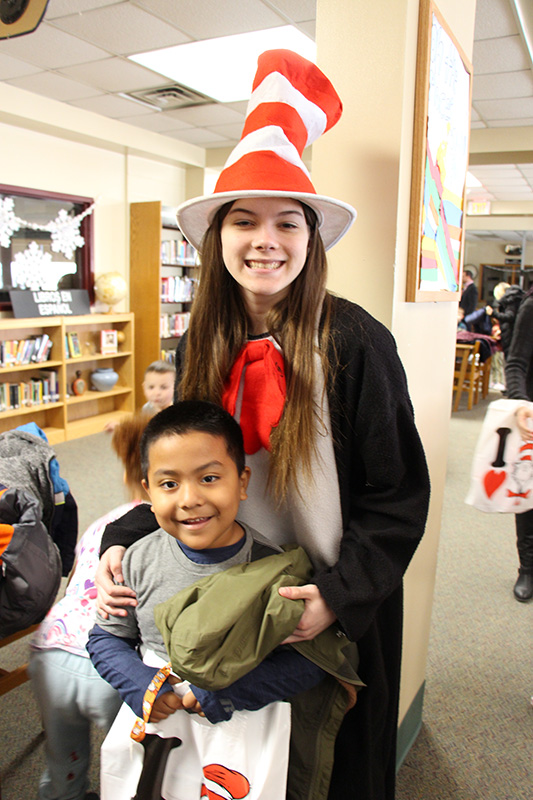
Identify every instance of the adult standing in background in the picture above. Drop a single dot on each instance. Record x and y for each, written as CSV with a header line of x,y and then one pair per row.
x,y
469,295
321,396
519,381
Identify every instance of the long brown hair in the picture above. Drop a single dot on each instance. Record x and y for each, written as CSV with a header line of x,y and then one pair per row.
x,y
218,329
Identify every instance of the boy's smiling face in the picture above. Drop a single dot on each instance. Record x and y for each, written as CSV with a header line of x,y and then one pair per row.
x,y
195,489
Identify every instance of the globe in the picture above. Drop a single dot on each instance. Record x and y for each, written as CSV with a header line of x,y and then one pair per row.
x,y
110,288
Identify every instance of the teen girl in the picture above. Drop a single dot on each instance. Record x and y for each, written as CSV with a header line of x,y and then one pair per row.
x,y
321,396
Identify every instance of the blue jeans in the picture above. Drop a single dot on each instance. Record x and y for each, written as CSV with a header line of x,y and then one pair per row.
x,y
70,695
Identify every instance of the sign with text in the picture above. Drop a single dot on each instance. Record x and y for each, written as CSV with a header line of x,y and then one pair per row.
x,y
58,303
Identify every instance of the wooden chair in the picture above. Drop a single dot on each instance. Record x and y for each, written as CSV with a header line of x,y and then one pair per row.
x,y
10,679
484,377
467,373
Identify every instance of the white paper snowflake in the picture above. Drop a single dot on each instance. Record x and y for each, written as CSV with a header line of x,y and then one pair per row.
x,y
65,234
9,222
30,269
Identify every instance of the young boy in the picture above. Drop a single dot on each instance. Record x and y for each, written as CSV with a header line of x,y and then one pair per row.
x,y
158,386
192,459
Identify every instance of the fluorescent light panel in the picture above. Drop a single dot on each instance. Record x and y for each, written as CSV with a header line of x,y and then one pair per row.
x,y
224,68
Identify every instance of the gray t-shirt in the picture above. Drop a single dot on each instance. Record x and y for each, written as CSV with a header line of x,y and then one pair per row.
x,y
156,568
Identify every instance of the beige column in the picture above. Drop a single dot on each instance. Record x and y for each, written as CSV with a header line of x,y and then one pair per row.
x,y
368,49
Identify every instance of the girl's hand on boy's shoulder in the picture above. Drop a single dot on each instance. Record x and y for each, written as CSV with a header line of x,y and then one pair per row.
x,y
113,595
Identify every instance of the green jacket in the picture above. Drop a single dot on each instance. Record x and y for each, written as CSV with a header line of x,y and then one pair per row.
x,y
222,626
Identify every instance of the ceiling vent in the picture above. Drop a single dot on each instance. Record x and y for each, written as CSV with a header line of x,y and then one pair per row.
x,y
169,98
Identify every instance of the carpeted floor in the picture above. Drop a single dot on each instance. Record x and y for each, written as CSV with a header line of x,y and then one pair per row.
x,y
477,735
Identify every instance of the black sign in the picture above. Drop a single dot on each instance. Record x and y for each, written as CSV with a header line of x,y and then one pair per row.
x,y
57,303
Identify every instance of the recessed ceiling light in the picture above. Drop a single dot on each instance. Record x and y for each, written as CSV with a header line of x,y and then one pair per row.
x,y
224,68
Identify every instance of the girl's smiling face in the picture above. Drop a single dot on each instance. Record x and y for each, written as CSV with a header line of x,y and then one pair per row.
x,y
264,245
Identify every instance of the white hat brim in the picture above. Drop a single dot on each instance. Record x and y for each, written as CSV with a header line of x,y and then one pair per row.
x,y
334,217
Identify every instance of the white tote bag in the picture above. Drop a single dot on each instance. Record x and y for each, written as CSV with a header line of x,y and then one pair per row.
x,y
245,757
502,466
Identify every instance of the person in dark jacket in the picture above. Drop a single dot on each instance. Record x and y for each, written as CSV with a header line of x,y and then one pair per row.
x,y
321,396
469,295
519,380
508,303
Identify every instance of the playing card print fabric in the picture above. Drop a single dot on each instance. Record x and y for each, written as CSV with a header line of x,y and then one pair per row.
x,y
502,466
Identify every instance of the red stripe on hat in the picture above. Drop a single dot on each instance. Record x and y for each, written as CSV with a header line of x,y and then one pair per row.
x,y
283,116
305,76
263,170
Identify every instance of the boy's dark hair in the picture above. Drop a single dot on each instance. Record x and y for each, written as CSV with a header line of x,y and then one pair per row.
x,y
194,415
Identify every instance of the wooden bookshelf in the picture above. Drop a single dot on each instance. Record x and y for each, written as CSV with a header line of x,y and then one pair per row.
x,y
73,416
148,269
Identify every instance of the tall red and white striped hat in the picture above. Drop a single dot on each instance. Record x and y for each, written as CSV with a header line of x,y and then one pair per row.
x,y
292,104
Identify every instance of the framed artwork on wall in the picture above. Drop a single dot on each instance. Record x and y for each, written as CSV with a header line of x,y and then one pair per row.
x,y
46,242
440,162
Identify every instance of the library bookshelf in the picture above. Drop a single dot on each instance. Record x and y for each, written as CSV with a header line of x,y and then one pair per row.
x,y
65,415
163,270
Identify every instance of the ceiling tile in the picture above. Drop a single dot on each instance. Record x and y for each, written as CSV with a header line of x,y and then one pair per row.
x,y
212,114
50,48
232,132
518,108
206,19
494,20
507,54
198,136
55,86
309,28
156,121
111,106
122,29
14,68
63,8
509,197
115,75
512,123
477,125
241,106
494,170
508,84
296,10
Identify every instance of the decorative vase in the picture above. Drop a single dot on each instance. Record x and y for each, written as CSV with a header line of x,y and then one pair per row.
x,y
103,379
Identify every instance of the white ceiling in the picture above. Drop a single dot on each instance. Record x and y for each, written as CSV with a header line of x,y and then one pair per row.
x,y
78,55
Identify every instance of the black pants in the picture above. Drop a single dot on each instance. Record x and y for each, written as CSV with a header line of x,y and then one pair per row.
x,y
524,540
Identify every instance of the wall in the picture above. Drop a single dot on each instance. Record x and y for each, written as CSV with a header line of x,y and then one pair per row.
x,y
369,52
48,145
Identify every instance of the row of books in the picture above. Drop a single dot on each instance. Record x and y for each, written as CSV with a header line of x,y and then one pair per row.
x,y
177,289
173,324
25,351
169,356
34,392
177,251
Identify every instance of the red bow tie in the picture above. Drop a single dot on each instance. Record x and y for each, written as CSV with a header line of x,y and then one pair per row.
x,y
263,395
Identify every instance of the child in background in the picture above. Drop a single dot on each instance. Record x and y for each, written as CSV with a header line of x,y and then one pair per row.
x,y
158,386
69,692
192,456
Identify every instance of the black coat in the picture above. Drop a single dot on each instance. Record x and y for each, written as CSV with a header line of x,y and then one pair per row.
x,y
519,362
384,492
506,314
